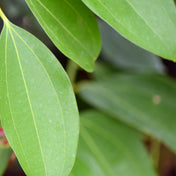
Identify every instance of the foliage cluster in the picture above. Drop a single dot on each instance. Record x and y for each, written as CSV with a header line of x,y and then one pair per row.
x,y
131,98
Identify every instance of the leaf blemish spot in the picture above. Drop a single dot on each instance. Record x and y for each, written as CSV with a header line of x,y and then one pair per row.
x,y
156,99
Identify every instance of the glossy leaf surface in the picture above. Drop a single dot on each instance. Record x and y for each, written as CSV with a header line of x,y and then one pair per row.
x,y
4,158
150,24
38,108
72,28
125,55
146,102
110,148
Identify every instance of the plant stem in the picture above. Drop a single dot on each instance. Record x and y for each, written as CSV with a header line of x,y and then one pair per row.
x,y
2,15
72,71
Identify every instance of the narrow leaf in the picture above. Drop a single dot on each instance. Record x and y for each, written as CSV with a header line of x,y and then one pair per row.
x,y
150,24
38,108
72,28
146,102
110,148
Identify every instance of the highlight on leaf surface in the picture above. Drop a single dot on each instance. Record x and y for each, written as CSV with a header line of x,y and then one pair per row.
x,y
72,27
38,108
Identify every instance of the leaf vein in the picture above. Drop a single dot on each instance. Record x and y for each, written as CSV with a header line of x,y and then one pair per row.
x,y
29,101
52,85
10,108
63,26
88,139
138,15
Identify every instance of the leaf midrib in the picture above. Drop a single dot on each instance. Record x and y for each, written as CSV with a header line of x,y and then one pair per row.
x,y
90,142
84,21
52,85
147,24
62,25
107,136
29,101
10,107
138,15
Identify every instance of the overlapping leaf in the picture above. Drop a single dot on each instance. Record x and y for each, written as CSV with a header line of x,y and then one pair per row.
x,y
146,102
71,26
125,55
4,158
150,24
109,148
38,108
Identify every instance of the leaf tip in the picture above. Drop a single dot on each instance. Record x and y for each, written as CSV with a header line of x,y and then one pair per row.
x,y
90,69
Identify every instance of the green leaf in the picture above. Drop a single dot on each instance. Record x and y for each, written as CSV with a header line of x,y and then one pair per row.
x,y
110,148
103,69
72,28
38,108
150,24
125,55
5,154
146,102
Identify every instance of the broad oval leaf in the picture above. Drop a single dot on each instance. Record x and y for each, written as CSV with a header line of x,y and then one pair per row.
x,y
110,148
146,102
38,108
71,26
150,24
